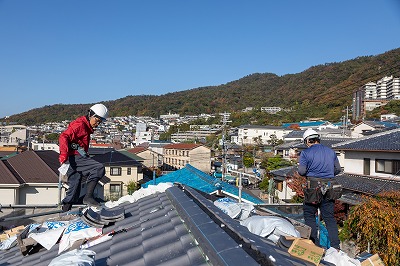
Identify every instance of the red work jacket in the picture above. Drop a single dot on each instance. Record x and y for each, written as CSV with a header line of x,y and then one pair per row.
x,y
78,131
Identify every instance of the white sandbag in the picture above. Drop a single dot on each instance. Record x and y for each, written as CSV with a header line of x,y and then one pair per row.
x,y
75,258
339,258
228,206
271,227
235,210
8,243
75,231
48,238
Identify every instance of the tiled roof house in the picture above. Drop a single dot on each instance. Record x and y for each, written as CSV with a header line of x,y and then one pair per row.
x,y
32,178
38,182
371,164
151,158
121,169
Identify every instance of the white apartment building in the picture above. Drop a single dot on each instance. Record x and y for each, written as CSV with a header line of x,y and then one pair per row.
x,y
370,90
393,88
271,109
37,146
251,134
382,87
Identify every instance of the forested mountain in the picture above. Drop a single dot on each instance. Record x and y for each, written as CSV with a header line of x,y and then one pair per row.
x,y
320,91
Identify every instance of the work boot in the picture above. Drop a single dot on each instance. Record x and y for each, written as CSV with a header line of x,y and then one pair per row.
x,y
66,207
88,199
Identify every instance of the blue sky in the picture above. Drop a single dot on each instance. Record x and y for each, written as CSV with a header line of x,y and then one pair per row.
x,y
74,51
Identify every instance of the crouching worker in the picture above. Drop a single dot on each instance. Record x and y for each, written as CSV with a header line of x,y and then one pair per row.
x,y
74,145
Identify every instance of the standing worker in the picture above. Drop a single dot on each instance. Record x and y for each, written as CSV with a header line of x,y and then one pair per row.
x,y
319,164
74,145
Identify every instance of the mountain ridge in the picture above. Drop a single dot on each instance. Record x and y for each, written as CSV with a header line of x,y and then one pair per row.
x,y
321,90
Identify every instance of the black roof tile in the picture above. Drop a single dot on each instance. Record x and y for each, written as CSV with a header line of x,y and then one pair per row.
x,y
385,141
177,227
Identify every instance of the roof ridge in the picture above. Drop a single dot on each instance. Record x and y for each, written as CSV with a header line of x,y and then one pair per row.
x,y
366,137
44,163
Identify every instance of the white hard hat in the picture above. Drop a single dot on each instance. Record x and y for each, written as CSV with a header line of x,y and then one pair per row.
x,y
100,110
310,134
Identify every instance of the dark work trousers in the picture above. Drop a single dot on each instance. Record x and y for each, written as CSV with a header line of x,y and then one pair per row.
x,y
81,166
327,212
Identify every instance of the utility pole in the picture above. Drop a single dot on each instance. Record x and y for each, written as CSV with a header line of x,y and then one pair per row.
x,y
154,171
225,117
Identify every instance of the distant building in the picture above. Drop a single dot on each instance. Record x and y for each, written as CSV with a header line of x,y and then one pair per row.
x,y
12,135
373,95
253,134
142,134
37,146
193,135
271,109
178,155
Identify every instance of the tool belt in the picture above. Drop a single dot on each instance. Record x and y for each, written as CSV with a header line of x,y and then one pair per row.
x,y
318,189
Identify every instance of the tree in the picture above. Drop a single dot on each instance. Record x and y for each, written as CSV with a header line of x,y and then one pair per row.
x,y
276,162
296,182
264,184
274,141
248,161
375,223
132,186
53,137
258,141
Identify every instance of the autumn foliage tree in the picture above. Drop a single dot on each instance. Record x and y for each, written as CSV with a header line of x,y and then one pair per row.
x,y
296,182
375,222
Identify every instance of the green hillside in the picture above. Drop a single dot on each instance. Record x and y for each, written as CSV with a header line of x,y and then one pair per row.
x,y
320,91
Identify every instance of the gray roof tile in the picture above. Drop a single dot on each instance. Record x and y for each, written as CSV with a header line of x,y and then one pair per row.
x,y
385,141
367,185
177,227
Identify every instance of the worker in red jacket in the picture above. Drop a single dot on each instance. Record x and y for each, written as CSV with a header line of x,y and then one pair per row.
x,y
74,145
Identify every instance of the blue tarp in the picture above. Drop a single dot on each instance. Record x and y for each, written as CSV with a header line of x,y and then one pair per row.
x,y
193,177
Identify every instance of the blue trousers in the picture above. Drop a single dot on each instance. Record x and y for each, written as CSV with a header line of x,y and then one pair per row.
x,y
81,166
327,212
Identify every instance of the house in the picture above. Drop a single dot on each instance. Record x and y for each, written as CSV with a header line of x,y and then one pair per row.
x,y
255,135
371,165
12,135
44,146
177,226
150,158
32,178
281,178
121,169
377,155
177,155
389,117
359,129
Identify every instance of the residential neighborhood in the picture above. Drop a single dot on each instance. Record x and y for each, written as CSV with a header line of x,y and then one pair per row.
x,y
217,161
